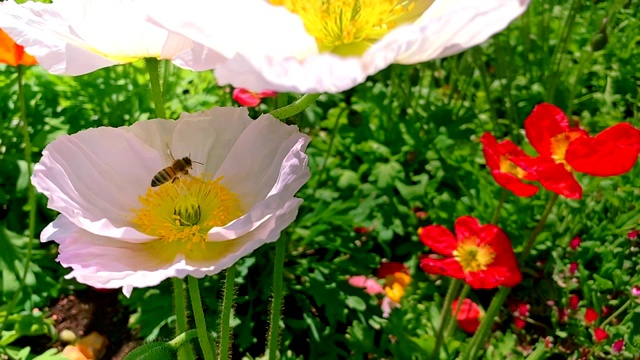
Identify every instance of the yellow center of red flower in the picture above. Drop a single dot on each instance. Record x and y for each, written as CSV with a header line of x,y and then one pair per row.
x,y
507,166
350,27
184,211
395,285
473,257
559,145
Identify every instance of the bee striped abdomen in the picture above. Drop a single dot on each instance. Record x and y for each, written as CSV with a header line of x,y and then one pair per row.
x,y
163,176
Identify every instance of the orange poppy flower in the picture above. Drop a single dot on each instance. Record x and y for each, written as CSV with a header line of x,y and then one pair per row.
x,y
12,53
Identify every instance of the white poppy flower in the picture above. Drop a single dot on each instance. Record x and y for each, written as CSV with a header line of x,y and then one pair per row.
x,y
331,45
74,37
115,230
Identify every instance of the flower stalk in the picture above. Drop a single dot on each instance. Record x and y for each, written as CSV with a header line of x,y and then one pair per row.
x,y
454,288
179,296
201,326
156,88
276,304
295,108
227,306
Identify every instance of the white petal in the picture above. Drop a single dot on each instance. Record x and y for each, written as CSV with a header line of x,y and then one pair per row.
x,y
273,168
76,37
209,136
446,28
94,178
107,263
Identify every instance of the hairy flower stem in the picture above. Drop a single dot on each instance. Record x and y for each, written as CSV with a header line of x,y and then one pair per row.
x,y
500,297
615,314
31,196
276,304
452,323
297,107
181,340
196,304
156,89
496,214
179,296
454,287
227,305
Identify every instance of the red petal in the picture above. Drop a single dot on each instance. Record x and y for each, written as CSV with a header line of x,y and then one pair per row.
x,y
267,94
439,239
514,184
390,268
612,152
545,122
491,151
448,267
555,177
494,277
245,97
466,227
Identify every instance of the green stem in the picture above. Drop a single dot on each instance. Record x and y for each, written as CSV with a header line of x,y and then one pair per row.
x,y
276,304
183,339
454,287
227,305
496,214
486,324
31,195
156,89
179,296
536,231
334,133
461,297
618,312
561,48
484,78
194,293
297,107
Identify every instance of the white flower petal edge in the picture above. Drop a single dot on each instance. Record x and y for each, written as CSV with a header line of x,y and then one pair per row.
x,y
104,262
77,37
94,179
446,28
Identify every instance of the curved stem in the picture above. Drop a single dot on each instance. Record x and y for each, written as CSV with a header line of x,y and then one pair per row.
x,y
179,296
454,287
156,89
181,340
496,214
487,323
463,295
227,305
276,304
297,107
31,195
536,231
201,325
618,312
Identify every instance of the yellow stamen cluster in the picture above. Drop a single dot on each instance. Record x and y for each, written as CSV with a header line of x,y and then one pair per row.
x,y
349,27
559,145
184,211
507,166
395,285
473,257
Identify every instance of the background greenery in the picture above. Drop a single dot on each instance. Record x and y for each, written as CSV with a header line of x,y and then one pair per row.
x,y
407,138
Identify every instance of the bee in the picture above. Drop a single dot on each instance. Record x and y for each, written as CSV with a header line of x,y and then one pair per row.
x,y
179,167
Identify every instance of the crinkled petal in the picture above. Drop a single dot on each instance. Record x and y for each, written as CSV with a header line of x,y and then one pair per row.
x,y
245,97
466,227
448,267
514,184
105,262
555,177
94,178
286,59
77,37
612,152
491,151
545,122
274,168
439,239
492,278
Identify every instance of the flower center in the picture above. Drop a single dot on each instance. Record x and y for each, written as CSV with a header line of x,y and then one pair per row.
x,y
559,145
473,257
184,211
507,166
395,284
350,27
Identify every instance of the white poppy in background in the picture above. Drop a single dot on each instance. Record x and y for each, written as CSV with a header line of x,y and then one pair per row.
x,y
115,230
77,37
331,46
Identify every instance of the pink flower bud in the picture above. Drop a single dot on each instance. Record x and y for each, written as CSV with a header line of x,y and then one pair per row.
x,y
617,346
575,243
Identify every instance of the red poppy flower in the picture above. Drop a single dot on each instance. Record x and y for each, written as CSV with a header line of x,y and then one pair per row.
x,y
573,302
564,149
590,316
481,255
248,98
468,316
12,53
599,334
498,156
